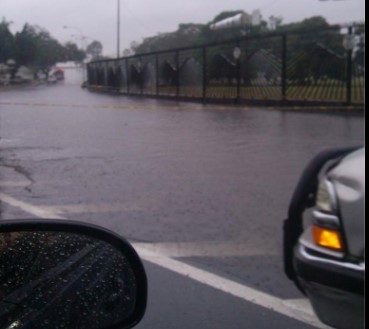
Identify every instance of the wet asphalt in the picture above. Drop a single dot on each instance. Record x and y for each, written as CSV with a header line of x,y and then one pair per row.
x,y
178,176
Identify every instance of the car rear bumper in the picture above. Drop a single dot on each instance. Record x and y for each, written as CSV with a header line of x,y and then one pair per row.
x,y
335,288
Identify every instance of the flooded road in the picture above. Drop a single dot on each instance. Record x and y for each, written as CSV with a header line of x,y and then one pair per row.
x,y
207,184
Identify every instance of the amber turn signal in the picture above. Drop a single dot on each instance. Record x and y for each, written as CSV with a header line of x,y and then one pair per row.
x,y
327,238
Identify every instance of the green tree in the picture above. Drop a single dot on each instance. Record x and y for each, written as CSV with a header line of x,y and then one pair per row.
x,y
315,23
190,34
73,53
314,51
35,48
7,48
359,51
184,36
49,51
38,50
94,49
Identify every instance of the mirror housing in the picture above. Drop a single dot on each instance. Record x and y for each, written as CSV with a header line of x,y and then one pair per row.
x,y
68,274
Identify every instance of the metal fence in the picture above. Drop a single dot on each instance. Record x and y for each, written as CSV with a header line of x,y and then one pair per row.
x,y
299,68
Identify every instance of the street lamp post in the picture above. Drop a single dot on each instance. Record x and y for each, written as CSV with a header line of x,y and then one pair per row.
x,y
118,28
82,38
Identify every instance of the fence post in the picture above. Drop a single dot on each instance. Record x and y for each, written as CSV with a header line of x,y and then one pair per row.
x,y
204,73
141,76
284,67
349,71
127,75
88,78
177,73
157,74
106,75
238,71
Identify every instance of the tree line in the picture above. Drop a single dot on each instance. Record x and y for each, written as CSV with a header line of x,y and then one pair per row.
x,y
190,34
314,49
34,48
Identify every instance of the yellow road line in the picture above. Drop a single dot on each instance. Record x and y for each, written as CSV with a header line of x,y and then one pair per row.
x,y
185,106
127,106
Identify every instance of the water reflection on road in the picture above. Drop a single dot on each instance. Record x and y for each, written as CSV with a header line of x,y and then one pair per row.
x,y
170,172
223,172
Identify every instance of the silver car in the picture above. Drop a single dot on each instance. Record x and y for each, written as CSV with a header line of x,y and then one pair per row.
x,y
324,244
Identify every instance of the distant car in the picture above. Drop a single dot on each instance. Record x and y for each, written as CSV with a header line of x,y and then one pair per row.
x,y
4,81
325,249
51,79
59,74
55,76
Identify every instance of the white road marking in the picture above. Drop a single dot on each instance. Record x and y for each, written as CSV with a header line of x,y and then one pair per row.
x,y
296,309
299,304
206,249
287,308
94,208
169,249
26,207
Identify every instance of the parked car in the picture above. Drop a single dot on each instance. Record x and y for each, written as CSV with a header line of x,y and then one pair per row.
x,y
4,80
324,247
59,74
56,75
51,79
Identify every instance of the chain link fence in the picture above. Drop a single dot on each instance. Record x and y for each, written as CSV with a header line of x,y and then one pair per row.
x,y
286,68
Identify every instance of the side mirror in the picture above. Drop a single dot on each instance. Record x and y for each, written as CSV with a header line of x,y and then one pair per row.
x,y
66,274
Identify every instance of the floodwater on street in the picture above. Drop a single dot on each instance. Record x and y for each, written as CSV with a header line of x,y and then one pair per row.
x,y
201,179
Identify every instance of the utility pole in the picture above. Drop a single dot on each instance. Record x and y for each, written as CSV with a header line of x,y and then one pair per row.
x,y
82,39
118,28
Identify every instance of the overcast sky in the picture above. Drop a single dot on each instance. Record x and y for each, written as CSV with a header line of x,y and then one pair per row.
x,y
97,19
